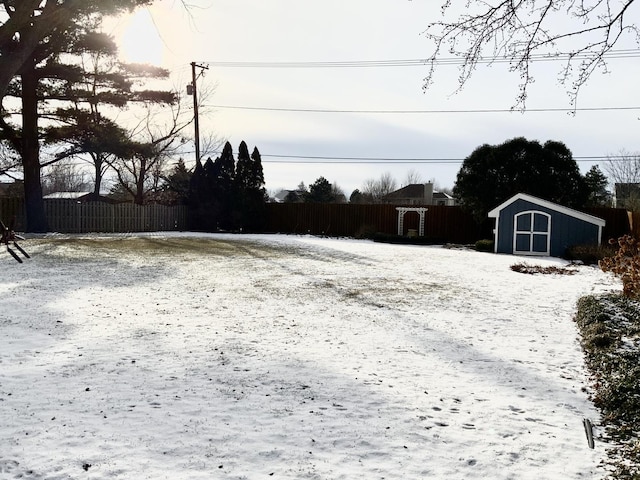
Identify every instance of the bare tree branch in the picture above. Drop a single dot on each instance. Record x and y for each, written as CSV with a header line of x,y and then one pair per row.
x,y
524,31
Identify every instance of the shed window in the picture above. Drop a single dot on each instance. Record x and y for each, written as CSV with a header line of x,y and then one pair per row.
x,y
532,233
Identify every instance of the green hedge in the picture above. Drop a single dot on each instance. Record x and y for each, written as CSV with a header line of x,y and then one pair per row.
x,y
609,327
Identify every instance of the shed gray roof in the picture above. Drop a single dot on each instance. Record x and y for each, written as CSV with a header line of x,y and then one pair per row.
x,y
495,213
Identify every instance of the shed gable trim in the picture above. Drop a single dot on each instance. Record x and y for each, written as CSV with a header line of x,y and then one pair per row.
x,y
495,213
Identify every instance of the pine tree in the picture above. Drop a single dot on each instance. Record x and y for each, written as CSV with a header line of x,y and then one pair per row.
x,y
224,187
320,191
229,195
257,172
31,34
243,168
250,191
81,127
225,168
199,197
356,197
176,188
212,192
597,184
27,24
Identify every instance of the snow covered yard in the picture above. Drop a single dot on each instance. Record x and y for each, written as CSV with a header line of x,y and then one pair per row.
x,y
244,357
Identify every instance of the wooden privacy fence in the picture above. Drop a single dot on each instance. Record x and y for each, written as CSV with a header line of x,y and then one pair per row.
x,y
442,224
70,216
447,224
618,222
634,220
74,217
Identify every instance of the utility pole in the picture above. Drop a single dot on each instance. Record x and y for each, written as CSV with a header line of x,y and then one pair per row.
x,y
194,91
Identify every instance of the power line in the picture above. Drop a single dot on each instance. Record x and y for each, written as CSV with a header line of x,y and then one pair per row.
x,y
421,62
403,112
345,160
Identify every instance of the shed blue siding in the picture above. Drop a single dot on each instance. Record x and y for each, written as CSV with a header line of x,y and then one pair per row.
x,y
565,229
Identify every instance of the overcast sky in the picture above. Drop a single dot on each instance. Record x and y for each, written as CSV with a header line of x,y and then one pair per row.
x,y
215,31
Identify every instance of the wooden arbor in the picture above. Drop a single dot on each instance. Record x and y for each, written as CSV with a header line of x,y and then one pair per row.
x,y
402,210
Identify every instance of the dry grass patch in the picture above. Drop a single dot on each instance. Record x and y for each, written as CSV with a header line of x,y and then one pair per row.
x,y
549,270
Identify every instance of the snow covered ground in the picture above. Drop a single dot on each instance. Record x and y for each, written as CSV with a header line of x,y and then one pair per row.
x,y
175,356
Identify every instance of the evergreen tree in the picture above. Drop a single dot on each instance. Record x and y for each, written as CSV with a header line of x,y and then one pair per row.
x,y
213,192
356,197
249,208
321,191
210,208
225,166
243,168
597,184
224,186
257,173
27,24
494,173
90,78
228,195
200,197
177,185
254,195
31,34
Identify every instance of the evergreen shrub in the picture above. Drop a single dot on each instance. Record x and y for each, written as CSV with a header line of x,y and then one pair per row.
x,y
609,327
485,245
589,254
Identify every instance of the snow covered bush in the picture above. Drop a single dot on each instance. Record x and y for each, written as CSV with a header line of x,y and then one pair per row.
x,y
589,254
609,328
625,264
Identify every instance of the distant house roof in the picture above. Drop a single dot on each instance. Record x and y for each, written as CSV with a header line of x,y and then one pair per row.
x,y
80,197
415,190
282,195
419,194
442,196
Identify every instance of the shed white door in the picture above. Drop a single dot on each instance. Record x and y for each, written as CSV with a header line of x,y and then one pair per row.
x,y
532,233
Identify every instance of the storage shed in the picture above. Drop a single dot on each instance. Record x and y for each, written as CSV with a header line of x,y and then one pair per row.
x,y
527,225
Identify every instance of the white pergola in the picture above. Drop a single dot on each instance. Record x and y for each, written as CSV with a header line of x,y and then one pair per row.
x,y
402,210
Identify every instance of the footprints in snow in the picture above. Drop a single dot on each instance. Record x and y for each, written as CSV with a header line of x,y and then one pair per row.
x,y
444,416
11,469
445,422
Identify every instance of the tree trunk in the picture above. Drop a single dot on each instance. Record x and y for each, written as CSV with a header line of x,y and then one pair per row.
x,y
97,163
138,198
34,204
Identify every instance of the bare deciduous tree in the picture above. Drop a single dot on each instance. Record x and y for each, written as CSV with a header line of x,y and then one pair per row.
x,y
338,193
157,139
623,167
65,176
579,33
412,177
623,171
374,190
211,144
10,163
